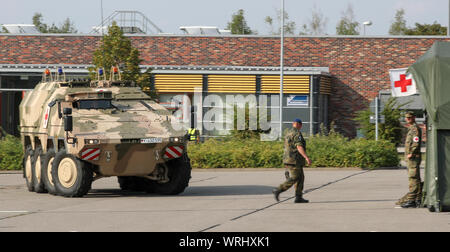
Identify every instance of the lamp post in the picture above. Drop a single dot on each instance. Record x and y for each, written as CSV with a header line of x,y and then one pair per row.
x,y
367,23
281,68
101,15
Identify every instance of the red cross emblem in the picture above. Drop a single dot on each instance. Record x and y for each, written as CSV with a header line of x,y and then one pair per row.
x,y
46,116
403,83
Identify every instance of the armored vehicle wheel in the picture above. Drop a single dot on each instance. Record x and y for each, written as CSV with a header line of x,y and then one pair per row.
x,y
72,178
39,186
179,175
47,162
28,168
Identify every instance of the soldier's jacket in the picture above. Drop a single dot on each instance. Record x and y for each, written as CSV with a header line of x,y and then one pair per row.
x,y
413,140
292,139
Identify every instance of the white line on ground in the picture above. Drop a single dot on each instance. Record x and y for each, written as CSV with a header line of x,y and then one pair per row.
x,y
14,211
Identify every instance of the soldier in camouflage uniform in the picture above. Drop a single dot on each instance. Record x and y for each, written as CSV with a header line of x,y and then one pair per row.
x,y
413,159
294,159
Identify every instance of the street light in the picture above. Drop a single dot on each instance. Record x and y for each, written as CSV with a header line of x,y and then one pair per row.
x,y
367,23
281,68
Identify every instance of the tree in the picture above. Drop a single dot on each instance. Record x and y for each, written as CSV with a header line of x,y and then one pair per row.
x,y
117,50
427,29
316,25
390,130
347,25
66,27
37,21
289,26
252,120
304,30
398,27
238,24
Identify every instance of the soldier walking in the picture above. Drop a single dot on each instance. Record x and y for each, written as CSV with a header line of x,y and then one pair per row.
x,y
413,158
294,159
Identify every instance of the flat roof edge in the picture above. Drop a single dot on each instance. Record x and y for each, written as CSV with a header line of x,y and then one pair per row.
x,y
231,36
73,68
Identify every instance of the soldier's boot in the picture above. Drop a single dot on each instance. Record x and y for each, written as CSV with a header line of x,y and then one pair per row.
x,y
402,200
409,204
418,203
299,199
419,196
276,193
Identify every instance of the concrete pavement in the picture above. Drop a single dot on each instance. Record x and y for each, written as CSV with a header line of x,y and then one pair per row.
x,y
225,200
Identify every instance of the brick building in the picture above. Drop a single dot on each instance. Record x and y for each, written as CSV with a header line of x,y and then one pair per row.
x,y
357,67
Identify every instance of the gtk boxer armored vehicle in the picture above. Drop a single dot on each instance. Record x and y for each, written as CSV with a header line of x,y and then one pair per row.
x,y
74,132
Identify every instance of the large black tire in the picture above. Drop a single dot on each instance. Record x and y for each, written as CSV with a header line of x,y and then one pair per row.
x,y
47,161
38,182
28,163
179,175
72,178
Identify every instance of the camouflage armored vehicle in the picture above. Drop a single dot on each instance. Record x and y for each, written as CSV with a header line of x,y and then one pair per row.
x,y
74,132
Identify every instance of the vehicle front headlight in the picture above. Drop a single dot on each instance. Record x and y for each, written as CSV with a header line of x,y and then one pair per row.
x,y
175,139
91,141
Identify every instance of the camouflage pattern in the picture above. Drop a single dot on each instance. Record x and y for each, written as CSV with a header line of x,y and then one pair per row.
x,y
132,135
293,161
412,146
293,138
410,114
296,177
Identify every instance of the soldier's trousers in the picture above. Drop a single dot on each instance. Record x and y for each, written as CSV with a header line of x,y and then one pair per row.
x,y
415,188
296,177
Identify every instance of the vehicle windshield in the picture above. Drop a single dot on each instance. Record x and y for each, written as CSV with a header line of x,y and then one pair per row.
x,y
93,104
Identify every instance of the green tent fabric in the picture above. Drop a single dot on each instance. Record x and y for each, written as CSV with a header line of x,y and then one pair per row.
x,y
432,75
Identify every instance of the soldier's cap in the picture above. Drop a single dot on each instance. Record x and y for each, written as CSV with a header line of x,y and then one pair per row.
x,y
410,114
298,121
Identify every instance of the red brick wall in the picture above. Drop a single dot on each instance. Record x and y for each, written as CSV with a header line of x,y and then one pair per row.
x,y
359,65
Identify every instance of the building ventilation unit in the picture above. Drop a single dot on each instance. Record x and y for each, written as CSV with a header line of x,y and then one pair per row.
x,y
204,30
19,28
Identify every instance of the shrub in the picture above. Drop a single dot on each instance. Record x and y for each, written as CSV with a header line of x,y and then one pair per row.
x,y
390,130
233,153
11,153
338,151
332,150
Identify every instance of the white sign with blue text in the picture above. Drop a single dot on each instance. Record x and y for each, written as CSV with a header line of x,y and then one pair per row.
x,y
297,100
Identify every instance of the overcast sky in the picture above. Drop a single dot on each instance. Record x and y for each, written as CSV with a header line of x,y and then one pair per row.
x,y
169,15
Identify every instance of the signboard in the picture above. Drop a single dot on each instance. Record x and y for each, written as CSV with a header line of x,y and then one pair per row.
x,y
297,100
381,119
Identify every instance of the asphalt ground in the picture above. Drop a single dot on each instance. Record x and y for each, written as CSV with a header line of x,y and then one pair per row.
x,y
226,200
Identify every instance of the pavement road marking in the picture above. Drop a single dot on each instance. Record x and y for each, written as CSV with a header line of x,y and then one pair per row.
x,y
281,201
14,211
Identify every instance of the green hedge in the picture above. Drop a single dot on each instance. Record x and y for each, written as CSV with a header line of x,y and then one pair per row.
x,y
337,151
227,153
11,154
324,151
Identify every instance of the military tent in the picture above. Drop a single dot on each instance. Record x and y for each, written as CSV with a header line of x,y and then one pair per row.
x,y
432,75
